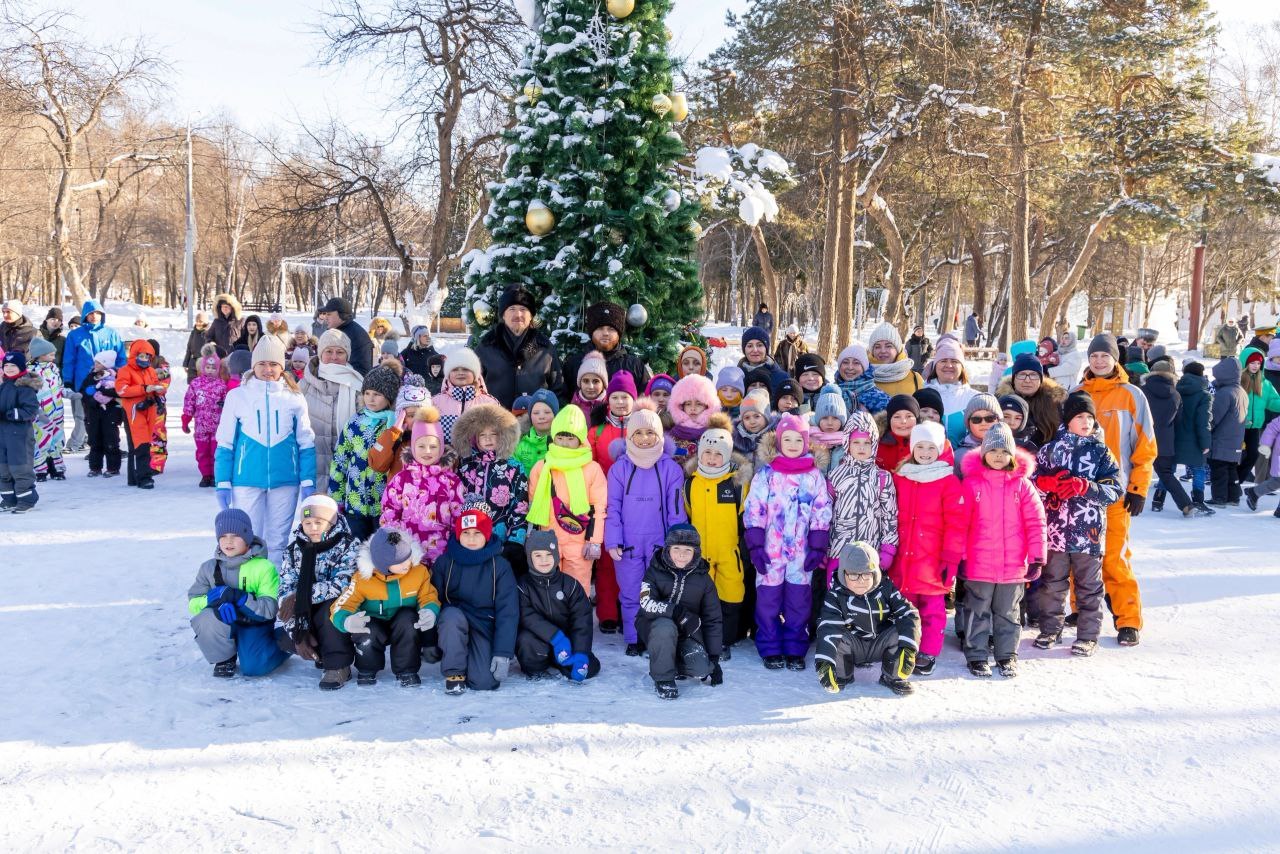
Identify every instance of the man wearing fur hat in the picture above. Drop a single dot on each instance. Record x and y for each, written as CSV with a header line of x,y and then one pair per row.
x,y
606,326
515,358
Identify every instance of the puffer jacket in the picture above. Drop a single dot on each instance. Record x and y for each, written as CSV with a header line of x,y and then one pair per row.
x,y
424,500
553,602
1004,521
1079,525
482,584
264,438
222,331
86,341
452,401
865,617
531,448
788,507
714,506
140,405
643,505
203,404
955,397
326,415
1191,433
380,594
48,424
1271,438
930,529
864,507
1125,418
892,451
250,572
335,555
1267,400
1166,406
1230,409
665,588
494,476
354,483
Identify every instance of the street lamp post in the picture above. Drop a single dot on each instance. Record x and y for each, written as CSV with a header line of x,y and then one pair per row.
x,y
189,250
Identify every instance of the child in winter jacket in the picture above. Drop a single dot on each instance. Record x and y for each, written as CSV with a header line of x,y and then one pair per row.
x,y
593,377
462,389
140,392
1264,403
102,415
730,388
353,480
388,603
19,407
484,438
693,402
752,424
865,620
160,427
902,416
827,433
645,489
568,494
319,563
1004,548
481,606
1269,443
1227,430
659,391
715,495
425,496
680,621
555,616
856,381
787,517
202,405
233,601
865,502
265,458
535,429
607,422
930,536
811,375
1078,478
392,448
49,437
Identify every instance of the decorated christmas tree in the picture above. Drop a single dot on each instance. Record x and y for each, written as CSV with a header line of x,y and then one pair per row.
x,y
589,207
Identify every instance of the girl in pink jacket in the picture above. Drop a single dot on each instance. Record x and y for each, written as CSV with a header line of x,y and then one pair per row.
x,y
463,389
930,535
1004,548
424,497
203,405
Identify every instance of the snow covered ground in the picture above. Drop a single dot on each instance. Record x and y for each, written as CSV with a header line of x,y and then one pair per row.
x,y
115,736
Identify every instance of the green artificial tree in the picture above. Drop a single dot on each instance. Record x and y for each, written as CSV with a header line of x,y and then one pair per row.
x,y
594,146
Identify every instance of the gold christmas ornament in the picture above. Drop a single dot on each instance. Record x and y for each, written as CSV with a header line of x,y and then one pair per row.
x,y
532,91
538,219
695,228
661,104
483,312
670,35
620,8
679,107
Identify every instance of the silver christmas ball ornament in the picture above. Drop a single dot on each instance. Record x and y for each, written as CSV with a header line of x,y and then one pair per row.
x,y
637,316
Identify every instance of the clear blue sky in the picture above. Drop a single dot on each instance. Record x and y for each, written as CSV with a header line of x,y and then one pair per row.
x,y
254,58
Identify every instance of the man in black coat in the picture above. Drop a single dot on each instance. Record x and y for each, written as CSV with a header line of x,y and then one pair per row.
x,y
517,359
1160,388
764,319
555,616
338,314
606,325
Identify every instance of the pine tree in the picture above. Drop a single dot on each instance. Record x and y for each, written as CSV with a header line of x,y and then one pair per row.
x,y
592,144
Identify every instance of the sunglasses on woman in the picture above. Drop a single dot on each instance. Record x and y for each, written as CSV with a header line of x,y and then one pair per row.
x,y
983,419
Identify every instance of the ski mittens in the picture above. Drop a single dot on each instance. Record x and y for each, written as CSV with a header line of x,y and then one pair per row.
x,y
1134,503
357,624
816,553
888,551
1034,570
500,667
562,649
306,491
224,499
578,664
186,423
754,538
904,663
948,574
827,677
1265,450
1047,483
426,620
591,551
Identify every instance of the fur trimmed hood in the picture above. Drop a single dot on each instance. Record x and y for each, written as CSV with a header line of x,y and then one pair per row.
x,y
1023,464
487,416
29,380
364,563
693,387
740,465
237,311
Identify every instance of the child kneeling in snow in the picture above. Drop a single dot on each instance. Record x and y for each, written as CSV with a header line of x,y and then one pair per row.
x,y
865,620
555,616
481,606
680,619
318,565
233,601
388,603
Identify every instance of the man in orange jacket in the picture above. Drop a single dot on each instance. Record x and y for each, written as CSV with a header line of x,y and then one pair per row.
x,y
1126,424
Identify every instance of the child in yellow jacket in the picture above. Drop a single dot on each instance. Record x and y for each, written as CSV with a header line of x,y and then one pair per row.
x,y
389,602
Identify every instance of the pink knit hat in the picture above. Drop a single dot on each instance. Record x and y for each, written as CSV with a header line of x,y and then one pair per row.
x,y
622,381
793,424
427,423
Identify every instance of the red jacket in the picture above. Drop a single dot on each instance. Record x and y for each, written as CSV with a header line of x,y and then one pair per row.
x,y
930,533
131,388
1004,520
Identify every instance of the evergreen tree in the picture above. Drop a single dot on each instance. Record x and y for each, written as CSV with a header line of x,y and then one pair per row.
x,y
593,143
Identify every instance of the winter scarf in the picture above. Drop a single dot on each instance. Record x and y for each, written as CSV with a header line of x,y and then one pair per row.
x,y
863,390
349,383
307,578
568,461
792,465
936,470
893,372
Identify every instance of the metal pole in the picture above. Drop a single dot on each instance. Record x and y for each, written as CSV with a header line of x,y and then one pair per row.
x,y
189,252
1197,288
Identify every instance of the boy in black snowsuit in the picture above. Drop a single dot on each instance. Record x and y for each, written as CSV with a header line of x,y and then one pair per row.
x,y
865,620
18,409
103,415
555,616
680,621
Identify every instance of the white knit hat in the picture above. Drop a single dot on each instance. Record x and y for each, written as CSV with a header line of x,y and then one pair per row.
x,y
594,363
463,357
929,431
335,338
269,349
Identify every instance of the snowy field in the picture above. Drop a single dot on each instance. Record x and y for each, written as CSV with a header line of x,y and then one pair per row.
x,y
115,736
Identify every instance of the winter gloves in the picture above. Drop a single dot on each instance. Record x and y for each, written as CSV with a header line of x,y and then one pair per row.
x,y
426,620
577,664
904,662
687,623
186,423
1034,570
591,551
1062,484
224,499
226,602
755,547
1134,503
562,648
888,551
949,571
717,675
357,624
305,491
827,677
817,553
1265,450
500,667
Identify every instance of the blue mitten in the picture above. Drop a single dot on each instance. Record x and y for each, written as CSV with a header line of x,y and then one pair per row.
x,y
306,491
213,598
562,648
577,665
224,499
227,613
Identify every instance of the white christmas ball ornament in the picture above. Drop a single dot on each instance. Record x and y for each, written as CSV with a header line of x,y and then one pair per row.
x,y
637,316
482,311
671,201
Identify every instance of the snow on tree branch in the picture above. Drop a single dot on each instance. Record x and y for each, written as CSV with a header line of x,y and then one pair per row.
x,y
745,177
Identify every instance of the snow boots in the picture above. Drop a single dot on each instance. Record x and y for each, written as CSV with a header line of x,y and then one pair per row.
x,y
1008,667
335,679
981,669
901,687
774,662
455,686
225,669
795,662
1127,636
1083,648
667,689
924,664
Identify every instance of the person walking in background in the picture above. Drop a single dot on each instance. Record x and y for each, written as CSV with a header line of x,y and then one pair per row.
x,y
1228,339
973,330
764,319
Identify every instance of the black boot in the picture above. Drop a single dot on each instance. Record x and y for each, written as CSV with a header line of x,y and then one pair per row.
x,y
225,669
666,689
1251,498
1197,500
795,662
1157,502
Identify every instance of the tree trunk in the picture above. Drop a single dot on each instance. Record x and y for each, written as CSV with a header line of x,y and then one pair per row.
x,y
1062,293
1019,262
973,242
831,247
61,239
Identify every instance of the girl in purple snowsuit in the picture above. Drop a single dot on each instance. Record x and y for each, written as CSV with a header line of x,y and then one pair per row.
x,y
203,405
646,498
787,517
